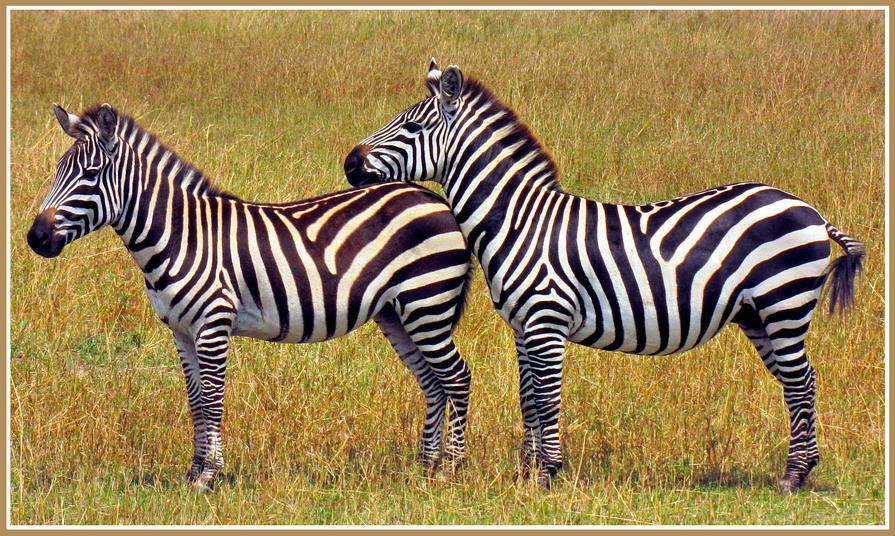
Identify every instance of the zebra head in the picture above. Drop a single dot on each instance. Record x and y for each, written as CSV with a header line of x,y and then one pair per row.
x,y
411,146
82,198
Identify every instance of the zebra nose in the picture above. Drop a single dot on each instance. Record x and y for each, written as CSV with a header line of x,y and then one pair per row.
x,y
354,165
40,237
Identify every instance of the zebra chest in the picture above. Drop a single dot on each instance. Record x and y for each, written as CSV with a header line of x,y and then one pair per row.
x,y
161,301
521,299
181,305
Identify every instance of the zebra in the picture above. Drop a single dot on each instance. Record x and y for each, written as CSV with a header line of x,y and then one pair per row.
x,y
216,266
653,279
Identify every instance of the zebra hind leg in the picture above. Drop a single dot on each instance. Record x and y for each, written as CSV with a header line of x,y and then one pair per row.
x,y
436,399
436,344
781,347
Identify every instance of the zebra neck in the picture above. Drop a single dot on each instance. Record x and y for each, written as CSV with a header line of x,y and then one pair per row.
x,y
490,181
159,193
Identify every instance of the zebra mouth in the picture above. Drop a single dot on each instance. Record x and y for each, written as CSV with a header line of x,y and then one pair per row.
x,y
367,178
362,177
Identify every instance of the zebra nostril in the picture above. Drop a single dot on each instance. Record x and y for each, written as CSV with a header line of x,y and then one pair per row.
x,y
38,237
351,165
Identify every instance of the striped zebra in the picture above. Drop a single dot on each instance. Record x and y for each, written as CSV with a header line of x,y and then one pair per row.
x,y
653,279
216,267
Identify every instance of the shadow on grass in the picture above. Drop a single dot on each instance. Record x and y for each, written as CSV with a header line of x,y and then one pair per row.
x,y
738,478
735,478
683,475
170,481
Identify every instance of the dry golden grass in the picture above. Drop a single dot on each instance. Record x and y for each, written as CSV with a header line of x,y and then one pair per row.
x,y
634,106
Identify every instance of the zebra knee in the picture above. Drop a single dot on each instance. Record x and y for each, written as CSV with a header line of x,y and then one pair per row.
x,y
811,383
801,387
463,379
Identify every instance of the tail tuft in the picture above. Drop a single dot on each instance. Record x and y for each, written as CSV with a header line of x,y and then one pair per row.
x,y
844,270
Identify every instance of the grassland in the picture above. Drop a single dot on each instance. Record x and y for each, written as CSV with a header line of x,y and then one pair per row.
x,y
634,106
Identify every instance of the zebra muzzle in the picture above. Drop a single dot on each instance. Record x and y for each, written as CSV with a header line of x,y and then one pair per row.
x,y
42,237
354,167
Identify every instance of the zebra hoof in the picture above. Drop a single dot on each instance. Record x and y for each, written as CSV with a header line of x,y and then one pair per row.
x,y
205,481
545,479
202,485
193,475
546,475
450,466
429,463
796,475
527,468
195,470
526,464
792,482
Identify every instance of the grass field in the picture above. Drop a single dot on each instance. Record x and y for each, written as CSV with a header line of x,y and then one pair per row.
x,y
634,107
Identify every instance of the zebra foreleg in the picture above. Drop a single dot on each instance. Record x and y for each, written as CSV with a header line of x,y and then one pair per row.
x,y
436,399
544,346
190,364
532,439
212,345
785,358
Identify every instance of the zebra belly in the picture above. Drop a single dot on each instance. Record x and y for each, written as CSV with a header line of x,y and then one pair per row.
x,y
248,320
251,322
630,343
653,323
647,329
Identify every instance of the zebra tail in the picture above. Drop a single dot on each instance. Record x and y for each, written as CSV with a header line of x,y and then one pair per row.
x,y
843,270
464,296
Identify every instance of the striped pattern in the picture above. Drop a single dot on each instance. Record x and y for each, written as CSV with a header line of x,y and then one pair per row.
x,y
217,267
652,279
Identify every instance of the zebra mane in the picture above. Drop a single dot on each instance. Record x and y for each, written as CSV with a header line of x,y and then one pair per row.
x,y
138,137
473,90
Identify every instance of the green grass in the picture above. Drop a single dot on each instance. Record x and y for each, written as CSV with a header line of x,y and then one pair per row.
x,y
634,106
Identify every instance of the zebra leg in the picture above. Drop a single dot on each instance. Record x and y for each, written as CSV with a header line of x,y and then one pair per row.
x,y
544,346
532,439
436,399
212,345
436,344
782,349
190,364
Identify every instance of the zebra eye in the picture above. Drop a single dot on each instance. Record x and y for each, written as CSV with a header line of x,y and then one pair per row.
x,y
412,127
91,173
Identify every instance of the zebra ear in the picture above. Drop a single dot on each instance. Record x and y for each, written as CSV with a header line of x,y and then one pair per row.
x,y
450,89
107,121
67,121
432,79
